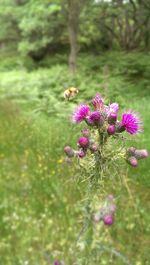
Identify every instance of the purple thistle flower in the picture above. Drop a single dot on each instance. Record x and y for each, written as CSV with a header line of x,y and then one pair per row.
x,y
83,142
93,148
112,108
106,211
140,154
85,132
80,113
95,117
111,129
98,102
131,122
112,118
132,161
81,154
69,151
108,219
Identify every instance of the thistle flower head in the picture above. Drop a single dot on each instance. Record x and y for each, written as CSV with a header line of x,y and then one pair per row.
x,y
93,148
106,211
140,154
108,219
111,129
83,142
112,108
69,151
80,113
131,122
81,154
137,153
95,117
132,161
85,132
98,102
112,118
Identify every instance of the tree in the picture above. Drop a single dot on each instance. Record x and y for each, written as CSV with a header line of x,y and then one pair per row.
x,y
9,19
73,24
125,21
37,28
41,27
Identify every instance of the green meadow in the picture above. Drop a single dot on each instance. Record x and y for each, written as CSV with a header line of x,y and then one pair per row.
x,y
41,196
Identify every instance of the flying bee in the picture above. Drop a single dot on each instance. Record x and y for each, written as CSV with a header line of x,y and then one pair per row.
x,y
70,93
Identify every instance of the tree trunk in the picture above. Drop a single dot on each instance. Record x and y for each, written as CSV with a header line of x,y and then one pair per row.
x,y
73,22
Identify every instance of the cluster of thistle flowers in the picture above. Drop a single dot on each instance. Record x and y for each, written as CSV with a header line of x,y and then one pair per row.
x,y
133,155
106,211
84,143
105,118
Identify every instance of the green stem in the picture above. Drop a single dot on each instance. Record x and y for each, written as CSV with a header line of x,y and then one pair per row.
x,y
93,186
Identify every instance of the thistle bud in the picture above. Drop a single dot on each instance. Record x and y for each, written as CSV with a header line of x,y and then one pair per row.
x,y
81,154
111,129
98,102
120,127
140,154
132,161
83,142
112,118
108,219
69,151
96,118
89,122
93,148
58,262
86,132
131,151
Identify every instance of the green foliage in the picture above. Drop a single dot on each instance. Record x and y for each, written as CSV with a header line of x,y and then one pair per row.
x,y
44,87
39,25
37,28
9,27
41,204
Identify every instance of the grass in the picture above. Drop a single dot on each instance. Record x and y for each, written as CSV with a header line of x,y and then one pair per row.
x,y
41,203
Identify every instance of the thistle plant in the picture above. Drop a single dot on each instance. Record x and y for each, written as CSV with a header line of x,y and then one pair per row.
x,y
103,126
100,149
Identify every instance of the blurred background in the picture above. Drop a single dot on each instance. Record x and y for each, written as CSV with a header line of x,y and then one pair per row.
x,y
47,46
